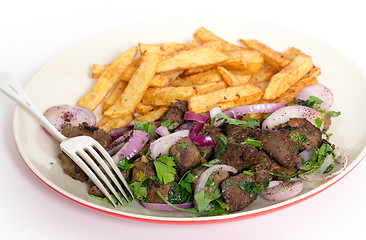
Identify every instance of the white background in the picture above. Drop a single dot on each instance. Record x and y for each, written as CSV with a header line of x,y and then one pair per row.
x,y
34,32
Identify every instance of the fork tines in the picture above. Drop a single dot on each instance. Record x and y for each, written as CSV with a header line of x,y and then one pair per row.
x,y
97,163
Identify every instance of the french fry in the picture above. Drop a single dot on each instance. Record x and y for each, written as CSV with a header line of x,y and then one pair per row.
x,y
246,60
197,79
242,77
196,70
107,80
264,74
203,103
143,108
263,85
229,78
114,95
288,76
167,95
166,48
203,35
290,95
292,52
197,57
108,124
137,85
97,70
163,79
274,58
210,87
153,115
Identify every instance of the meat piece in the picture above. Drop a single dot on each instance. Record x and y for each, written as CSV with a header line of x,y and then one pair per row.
x,y
142,169
70,168
215,133
152,187
279,145
214,180
85,130
237,155
176,113
237,133
235,196
186,154
302,126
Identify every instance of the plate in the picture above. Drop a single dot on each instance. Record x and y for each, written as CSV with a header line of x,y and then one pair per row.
x,y
66,78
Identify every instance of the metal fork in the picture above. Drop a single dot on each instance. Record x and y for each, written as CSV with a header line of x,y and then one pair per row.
x,y
83,150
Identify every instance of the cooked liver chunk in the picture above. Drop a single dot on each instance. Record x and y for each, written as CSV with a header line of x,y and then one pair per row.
x,y
152,187
186,154
176,113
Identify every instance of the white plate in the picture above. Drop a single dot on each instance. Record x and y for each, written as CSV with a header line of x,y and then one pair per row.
x,y
65,79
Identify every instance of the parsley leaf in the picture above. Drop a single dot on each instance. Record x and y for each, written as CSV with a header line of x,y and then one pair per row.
x,y
145,126
139,191
252,187
187,180
184,145
203,199
165,170
314,102
124,164
223,145
169,125
252,142
249,122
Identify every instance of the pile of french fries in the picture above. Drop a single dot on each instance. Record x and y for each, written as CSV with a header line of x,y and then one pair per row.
x,y
208,72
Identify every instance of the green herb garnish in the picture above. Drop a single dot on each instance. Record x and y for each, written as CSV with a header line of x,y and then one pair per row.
x,y
165,170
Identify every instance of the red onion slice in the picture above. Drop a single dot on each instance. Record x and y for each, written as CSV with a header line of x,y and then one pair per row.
x,y
117,144
214,111
320,91
283,191
203,141
161,145
196,117
137,141
162,131
167,207
118,132
256,108
340,163
305,156
197,127
284,114
63,115
207,173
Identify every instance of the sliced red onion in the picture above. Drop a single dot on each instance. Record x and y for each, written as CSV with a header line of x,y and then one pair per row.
x,y
117,132
203,141
284,114
162,131
137,141
64,115
214,111
117,144
196,117
340,163
320,91
283,191
305,156
256,108
185,126
167,207
207,173
162,145
197,127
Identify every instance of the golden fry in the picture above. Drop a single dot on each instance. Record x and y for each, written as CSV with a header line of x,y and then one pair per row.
x,y
97,70
246,60
108,124
107,80
203,103
197,57
114,95
197,79
288,76
210,87
153,115
264,74
203,35
167,95
290,95
137,85
143,108
274,58
229,78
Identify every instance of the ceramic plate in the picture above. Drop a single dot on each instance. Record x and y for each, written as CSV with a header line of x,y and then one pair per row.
x,y
65,79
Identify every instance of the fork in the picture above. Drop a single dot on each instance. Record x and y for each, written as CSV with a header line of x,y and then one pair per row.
x,y
83,150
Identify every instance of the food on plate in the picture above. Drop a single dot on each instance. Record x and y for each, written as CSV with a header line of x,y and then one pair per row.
x,y
208,127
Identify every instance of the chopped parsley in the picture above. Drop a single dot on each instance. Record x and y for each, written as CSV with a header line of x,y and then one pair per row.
x,y
187,180
249,122
125,164
184,145
169,125
315,102
299,138
144,126
252,142
139,191
252,187
329,168
223,145
203,199
165,170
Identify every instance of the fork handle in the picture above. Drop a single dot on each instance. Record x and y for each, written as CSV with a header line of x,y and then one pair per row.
x,y
13,90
